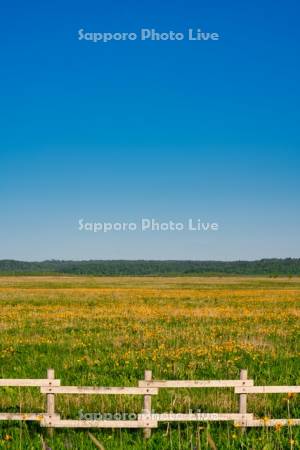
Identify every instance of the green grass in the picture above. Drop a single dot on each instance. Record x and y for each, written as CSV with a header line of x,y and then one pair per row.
x,y
107,331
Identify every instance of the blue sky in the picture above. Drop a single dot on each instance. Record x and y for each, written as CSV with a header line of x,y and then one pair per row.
x,y
169,130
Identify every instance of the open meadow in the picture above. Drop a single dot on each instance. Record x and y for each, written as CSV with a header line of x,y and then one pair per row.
x,y
105,331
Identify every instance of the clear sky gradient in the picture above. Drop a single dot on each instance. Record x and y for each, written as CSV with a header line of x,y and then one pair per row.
x,y
169,130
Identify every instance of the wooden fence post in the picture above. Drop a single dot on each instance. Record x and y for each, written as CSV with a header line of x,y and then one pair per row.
x,y
243,397
50,399
147,404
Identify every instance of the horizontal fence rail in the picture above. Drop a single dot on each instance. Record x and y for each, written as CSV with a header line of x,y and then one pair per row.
x,y
70,423
195,384
268,390
99,390
147,388
199,417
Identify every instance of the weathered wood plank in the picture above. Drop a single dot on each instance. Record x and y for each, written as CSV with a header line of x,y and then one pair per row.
x,y
243,397
147,404
98,390
195,383
26,382
69,423
50,399
196,417
267,389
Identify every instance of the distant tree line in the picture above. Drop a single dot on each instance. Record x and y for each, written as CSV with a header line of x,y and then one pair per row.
x,y
272,267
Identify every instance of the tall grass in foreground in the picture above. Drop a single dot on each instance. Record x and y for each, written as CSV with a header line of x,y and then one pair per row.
x,y
107,331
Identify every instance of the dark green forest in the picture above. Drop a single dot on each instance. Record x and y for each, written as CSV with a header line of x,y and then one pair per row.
x,y
269,267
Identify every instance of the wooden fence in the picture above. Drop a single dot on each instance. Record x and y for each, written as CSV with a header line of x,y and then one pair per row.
x,y
147,388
